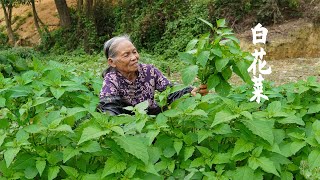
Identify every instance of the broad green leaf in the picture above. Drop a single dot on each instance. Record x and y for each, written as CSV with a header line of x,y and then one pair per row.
x,y
188,151
118,130
57,92
242,146
2,137
198,112
198,162
203,134
70,171
206,22
315,129
203,57
2,102
151,135
186,57
41,100
189,74
314,159
10,154
90,147
226,73
135,146
292,148
285,175
292,119
69,152
223,117
241,70
221,63
141,107
168,152
213,81
274,107
63,128
91,132
113,165
53,172
40,165
177,146
267,165
221,158
222,129
22,161
261,128
34,128
217,51
191,44
244,173
223,88
130,171
172,113
205,151
315,108
221,23
30,172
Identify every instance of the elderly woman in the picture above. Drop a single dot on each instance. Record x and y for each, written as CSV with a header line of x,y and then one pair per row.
x,y
127,82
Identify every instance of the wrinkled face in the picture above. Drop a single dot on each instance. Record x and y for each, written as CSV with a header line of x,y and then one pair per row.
x,y
127,56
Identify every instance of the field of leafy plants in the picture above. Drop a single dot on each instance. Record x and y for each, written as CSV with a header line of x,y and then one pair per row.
x,y
50,129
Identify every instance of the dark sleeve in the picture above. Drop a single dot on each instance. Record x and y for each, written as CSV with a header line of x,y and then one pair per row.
x,y
112,104
176,95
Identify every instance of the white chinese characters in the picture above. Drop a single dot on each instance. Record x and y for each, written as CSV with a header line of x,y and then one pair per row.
x,y
259,36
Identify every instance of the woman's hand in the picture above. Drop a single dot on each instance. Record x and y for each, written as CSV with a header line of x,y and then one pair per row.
x,y
203,90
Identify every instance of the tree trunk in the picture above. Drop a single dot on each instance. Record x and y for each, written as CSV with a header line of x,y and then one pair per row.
x,y
64,14
35,16
7,17
80,5
89,8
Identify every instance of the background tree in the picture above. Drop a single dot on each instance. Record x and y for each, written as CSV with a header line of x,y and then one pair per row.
x,y
64,14
7,6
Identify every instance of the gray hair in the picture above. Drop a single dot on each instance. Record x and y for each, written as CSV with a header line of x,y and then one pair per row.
x,y
110,45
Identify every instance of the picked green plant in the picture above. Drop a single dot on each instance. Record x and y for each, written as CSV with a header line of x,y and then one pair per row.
x,y
214,56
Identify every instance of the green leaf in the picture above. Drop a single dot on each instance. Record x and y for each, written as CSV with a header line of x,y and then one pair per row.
x,y
91,132
63,128
315,108
34,128
285,175
135,146
223,88
315,129
221,158
40,165
209,24
221,63
30,172
2,137
118,130
68,153
261,128
226,73
314,159
267,165
113,165
91,147
177,146
57,92
274,107
188,151
213,81
241,70
151,135
141,107
198,112
203,134
242,146
41,100
221,23
290,149
198,162
217,51
130,171
10,154
186,57
172,113
203,58
191,44
292,119
205,151
244,173
223,117
189,74
70,171
53,172
2,102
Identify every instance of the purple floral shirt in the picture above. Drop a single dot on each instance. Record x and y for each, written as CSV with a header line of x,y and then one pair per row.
x,y
143,88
